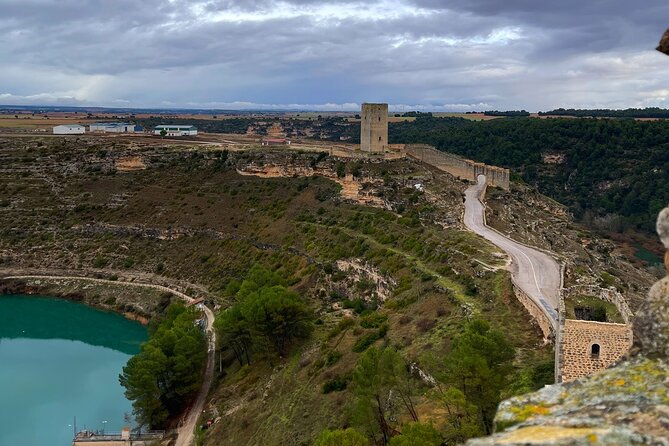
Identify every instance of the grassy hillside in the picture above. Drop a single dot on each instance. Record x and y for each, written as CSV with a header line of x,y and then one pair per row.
x,y
406,277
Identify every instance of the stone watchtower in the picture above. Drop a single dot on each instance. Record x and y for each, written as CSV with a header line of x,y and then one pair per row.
x,y
374,128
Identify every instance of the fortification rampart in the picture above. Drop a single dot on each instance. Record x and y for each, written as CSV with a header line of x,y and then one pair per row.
x,y
581,347
536,312
459,167
587,347
346,152
560,330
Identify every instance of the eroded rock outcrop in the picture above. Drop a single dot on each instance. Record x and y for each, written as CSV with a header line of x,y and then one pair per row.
x,y
627,404
362,191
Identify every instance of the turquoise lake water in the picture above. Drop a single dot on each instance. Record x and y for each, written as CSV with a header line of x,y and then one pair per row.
x,y
58,360
643,254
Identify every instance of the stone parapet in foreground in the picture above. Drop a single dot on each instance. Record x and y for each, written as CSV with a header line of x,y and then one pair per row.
x,y
625,405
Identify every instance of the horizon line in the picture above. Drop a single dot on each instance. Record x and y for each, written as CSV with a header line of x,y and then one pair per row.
x,y
391,107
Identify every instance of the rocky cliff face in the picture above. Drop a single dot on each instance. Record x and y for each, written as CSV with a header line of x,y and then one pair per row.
x,y
627,404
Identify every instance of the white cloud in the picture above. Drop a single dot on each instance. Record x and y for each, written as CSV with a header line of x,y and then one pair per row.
x,y
40,98
319,12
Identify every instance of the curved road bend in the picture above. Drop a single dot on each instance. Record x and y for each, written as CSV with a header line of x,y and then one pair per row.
x,y
533,271
186,432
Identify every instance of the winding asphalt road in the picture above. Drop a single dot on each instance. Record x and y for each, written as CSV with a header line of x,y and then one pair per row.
x,y
533,271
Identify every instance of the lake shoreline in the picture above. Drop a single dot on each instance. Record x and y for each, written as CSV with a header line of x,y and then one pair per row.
x,y
130,296
63,360
112,301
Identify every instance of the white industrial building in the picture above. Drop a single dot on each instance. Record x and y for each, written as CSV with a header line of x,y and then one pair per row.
x,y
115,127
69,129
176,130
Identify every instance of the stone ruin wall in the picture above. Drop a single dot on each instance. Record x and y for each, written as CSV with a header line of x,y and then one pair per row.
x,y
459,167
606,294
574,340
577,339
346,152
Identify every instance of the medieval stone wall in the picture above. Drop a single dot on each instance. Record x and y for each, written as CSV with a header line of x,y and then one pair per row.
x,y
374,128
574,339
562,311
535,311
587,347
459,167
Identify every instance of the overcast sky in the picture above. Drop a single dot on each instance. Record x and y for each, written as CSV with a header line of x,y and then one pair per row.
x,y
442,55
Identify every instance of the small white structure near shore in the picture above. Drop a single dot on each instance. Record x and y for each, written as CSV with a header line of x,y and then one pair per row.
x,y
69,129
114,127
176,130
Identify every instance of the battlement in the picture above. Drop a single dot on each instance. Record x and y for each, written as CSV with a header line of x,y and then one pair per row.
x,y
459,167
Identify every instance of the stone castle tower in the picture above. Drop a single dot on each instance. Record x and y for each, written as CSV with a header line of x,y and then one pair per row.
x,y
374,128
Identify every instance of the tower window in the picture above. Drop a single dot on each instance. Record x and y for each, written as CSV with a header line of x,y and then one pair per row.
x,y
594,351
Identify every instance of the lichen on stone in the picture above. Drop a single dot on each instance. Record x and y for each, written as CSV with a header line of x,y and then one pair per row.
x,y
617,406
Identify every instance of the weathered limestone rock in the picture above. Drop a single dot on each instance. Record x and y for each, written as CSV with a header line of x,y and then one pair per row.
x,y
627,404
276,131
664,43
130,163
651,326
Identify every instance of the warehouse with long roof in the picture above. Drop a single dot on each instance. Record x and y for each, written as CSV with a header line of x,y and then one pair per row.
x,y
115,127
175,130
69,129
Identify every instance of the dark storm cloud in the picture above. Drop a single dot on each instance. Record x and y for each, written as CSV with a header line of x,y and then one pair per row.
x,y
601,24
439,54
